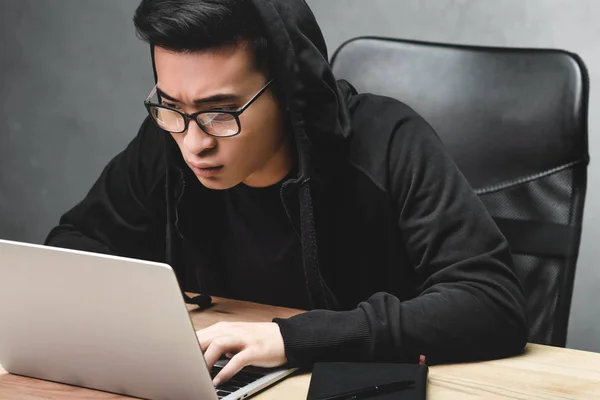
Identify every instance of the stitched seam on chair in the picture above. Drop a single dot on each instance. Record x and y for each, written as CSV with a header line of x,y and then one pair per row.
x,y
520,181
571,197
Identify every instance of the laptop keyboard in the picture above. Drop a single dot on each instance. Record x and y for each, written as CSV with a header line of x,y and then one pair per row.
x,y
240,380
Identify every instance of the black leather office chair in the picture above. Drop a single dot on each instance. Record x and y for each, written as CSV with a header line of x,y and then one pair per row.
x,y
515,122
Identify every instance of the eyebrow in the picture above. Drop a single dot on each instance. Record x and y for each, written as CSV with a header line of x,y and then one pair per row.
x,y
217,98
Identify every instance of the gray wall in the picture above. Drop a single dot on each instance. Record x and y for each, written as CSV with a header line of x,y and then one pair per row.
x,y
73,77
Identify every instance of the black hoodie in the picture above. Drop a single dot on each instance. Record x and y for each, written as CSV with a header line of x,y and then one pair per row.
x,y
400,256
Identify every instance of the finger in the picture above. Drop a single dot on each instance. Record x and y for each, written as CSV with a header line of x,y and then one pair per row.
x,y
229,355
205,341
234,366
220,346
206,336
219,326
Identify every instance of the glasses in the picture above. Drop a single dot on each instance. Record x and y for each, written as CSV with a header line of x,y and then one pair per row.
x,y
218,123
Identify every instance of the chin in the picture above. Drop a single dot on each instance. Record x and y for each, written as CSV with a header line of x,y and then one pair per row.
x,y
216,184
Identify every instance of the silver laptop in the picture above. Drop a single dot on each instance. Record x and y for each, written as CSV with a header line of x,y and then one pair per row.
x,y
108,323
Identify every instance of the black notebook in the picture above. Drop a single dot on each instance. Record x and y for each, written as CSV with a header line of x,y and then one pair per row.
x,y
333,378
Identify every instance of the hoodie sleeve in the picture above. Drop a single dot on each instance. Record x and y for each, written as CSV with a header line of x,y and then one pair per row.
x,y
115,216
470,303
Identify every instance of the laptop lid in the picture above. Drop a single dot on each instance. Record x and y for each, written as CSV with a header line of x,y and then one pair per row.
x,y
102,322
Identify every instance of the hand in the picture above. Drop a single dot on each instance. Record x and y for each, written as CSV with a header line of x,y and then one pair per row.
x,y
246,343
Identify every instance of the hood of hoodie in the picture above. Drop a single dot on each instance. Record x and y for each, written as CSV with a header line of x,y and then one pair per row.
x,y
318,110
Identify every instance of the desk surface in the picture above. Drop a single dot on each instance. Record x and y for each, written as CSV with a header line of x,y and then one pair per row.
x,y
542,372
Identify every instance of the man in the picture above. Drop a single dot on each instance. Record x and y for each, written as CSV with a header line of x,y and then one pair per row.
x,y
259,177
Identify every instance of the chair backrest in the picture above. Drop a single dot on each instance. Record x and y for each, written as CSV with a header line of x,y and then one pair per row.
x,y
515,122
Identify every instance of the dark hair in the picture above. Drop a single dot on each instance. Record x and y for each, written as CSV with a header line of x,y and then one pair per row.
x,y
193,25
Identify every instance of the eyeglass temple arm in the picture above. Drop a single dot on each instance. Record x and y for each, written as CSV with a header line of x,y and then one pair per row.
x,y
256,96
152,93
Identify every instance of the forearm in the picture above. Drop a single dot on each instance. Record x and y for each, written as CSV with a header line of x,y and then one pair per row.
x,y
453,322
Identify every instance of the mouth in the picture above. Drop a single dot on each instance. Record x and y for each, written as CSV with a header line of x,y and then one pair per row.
x,y
206,171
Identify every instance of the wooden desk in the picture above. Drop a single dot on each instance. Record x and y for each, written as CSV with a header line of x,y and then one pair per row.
x,y
541,373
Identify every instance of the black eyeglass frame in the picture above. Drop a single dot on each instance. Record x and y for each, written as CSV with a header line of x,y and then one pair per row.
x,y
187,117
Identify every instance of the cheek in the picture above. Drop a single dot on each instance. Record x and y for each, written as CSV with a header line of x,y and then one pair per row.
x,y
179,140
258,143
265,129
240,150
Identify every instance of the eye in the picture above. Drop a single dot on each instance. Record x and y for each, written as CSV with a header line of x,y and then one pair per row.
x,y
225,108
170,105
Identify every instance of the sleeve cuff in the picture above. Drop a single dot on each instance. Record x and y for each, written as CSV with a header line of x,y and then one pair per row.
x,y
322,335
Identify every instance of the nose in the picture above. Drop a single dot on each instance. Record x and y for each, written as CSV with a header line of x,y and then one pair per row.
x,y
196,140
